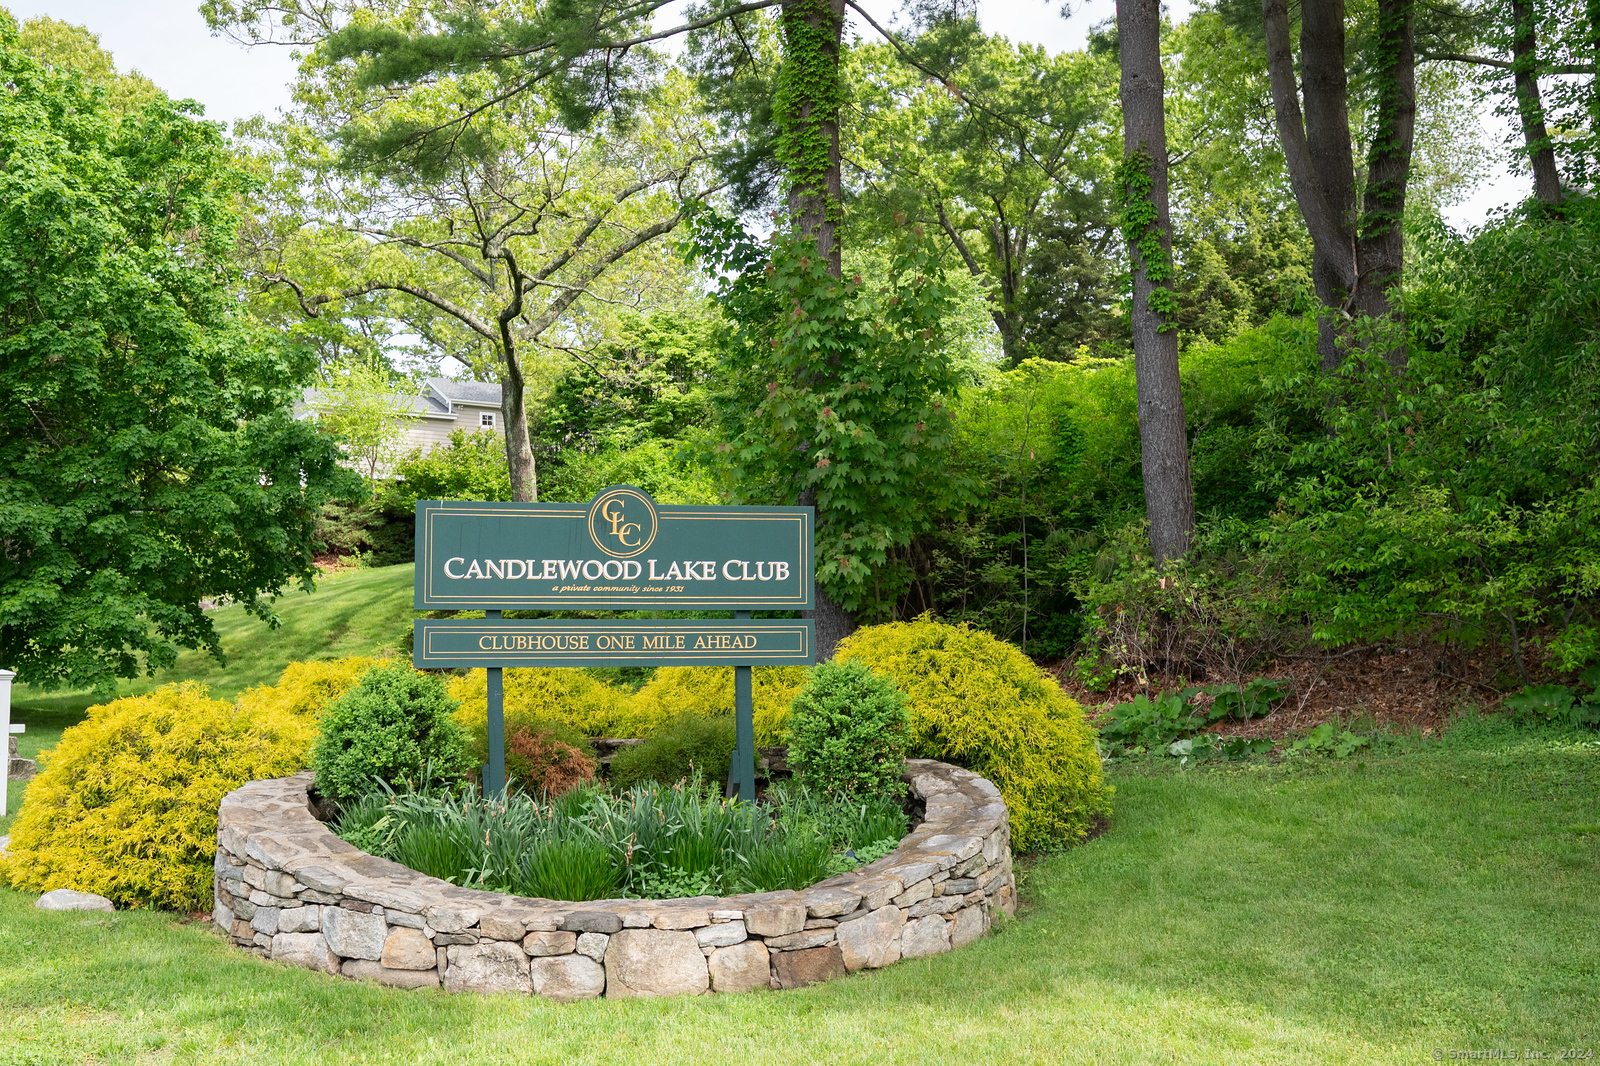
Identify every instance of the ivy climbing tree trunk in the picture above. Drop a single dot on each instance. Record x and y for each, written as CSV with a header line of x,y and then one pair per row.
x,y
1142,185
810,95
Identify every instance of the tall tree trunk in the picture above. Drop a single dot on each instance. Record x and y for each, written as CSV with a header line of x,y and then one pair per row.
x,y
1322,178
807,107
1592,9
1163,439
1356,263
519,449
832,622
1380,233
1530,109
1322,51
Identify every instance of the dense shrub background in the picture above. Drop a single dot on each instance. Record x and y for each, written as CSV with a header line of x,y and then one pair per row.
x,y
126,804
1459,503
682,747
847,731
571,697
674,691
979,702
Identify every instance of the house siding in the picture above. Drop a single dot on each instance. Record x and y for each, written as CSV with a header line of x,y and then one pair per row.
x,y
428,432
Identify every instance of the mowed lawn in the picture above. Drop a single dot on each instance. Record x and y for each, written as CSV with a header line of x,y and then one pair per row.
x,y
1357,911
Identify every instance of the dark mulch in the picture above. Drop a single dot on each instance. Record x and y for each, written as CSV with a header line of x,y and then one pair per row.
x,y
1404,688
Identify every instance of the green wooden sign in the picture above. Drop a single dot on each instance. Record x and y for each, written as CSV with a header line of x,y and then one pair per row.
x,y
621,551
451,642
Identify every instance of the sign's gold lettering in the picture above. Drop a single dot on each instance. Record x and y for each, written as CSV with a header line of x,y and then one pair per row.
x,y
612,511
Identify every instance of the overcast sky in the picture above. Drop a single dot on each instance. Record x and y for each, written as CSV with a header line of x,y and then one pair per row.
x,y
169,43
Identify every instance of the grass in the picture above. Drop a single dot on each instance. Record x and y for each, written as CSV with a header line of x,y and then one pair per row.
x,y
1310,911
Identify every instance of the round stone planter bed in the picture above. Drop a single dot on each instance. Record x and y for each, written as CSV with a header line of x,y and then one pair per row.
x,y
289,890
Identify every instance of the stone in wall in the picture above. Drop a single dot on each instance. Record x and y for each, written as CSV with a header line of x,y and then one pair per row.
x,y
742,967
776,919
593,945
721,935
558,942
492,966
568,977
495,927
408,949
872,941
969,925
925,936
300,920
354,935
655,962
795,969
305,949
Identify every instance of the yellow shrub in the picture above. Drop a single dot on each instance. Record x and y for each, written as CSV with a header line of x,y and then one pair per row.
x,y
570,697
304,689
707,692
126,804
979,702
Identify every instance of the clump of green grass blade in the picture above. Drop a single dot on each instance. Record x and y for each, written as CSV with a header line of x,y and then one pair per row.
x,y
653,839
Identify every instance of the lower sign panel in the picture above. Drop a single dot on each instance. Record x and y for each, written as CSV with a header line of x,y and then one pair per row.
x,y
451,642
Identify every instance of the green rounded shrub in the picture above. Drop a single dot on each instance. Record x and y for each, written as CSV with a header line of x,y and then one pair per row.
x,y
390,727
684,746
847,731
981,703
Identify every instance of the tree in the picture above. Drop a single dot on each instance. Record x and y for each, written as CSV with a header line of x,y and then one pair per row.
x,y
588,57
1142,183
1008,153
148,454
1240,247
1357,248
1554,40
359,404
74,48
491,251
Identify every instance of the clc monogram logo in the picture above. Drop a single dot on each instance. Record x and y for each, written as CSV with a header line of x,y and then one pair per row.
x,y
623,522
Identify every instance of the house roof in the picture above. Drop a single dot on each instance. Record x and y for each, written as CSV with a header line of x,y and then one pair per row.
x,y
423,406
474,392
436,400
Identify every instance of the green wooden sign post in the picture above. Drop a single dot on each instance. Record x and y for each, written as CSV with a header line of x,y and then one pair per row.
x,y
620,552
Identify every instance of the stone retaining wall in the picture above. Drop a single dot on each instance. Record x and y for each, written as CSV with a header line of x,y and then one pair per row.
x,y
288,889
